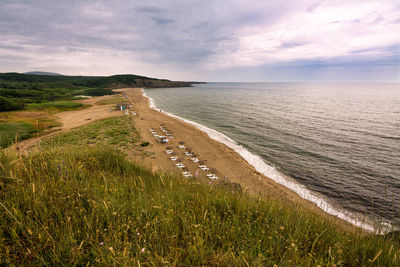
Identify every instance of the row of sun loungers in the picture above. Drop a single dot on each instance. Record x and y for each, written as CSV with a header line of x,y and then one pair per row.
x,y
161,137
195,160
188,153
166,132
181,166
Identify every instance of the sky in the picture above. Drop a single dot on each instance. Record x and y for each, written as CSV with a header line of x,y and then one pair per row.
x,y
205,40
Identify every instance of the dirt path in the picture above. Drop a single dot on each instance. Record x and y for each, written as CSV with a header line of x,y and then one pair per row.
x,y
75,118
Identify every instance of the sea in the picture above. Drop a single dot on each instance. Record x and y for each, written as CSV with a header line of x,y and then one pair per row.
x,y
335,144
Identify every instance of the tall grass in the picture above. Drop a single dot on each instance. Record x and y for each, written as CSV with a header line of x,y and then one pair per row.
x,y
78,202
9,132
89,205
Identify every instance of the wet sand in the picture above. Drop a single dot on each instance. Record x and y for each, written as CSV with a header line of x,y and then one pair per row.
x,y
218,156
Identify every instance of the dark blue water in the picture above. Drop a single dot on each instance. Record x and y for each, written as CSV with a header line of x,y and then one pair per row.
x,y
341,141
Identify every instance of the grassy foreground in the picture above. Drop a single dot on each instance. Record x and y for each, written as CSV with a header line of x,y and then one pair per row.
x,y
68,205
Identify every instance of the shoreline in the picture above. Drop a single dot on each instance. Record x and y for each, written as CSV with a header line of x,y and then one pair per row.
x,y
273,174
228,160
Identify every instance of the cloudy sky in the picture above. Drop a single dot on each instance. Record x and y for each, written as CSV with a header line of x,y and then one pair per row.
x,y
206,40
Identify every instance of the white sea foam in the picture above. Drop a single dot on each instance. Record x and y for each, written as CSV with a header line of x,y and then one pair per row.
x,y
271,172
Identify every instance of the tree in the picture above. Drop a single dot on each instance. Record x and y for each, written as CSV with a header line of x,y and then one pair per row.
x,y
7,105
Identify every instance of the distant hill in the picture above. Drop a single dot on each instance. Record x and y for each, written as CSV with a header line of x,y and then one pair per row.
x,y
115,81
17,90
43,73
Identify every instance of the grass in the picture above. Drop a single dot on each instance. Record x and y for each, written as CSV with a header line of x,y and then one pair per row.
x,y
114,99
10,132
75,205
37,120
116,131
56,106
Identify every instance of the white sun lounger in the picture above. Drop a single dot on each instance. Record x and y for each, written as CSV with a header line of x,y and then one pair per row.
x,y
188,153
181,146
180,165
195,160
173,158
187,174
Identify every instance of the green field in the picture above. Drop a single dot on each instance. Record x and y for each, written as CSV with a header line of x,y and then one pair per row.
x,y
116,131
86,204
57,105
15,131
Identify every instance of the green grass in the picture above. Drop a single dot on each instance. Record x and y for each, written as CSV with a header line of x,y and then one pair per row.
x,y
9,132
57,105
77,204
115,131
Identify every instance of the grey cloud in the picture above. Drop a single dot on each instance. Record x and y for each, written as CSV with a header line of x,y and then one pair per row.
x,y
149,9
190,31
174,33
291,44
162,21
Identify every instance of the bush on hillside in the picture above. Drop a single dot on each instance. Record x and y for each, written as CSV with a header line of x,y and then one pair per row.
x,y
7,104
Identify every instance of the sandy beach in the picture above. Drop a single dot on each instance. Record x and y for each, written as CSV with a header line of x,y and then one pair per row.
x,y
231,169
228,164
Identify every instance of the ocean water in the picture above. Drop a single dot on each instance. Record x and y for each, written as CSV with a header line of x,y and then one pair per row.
x,y
337,145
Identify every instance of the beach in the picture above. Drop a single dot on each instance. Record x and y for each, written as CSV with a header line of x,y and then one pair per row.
x,y
229,165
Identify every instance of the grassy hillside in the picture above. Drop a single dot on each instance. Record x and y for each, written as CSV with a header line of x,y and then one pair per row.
x,y
44,95
17,90
85,203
